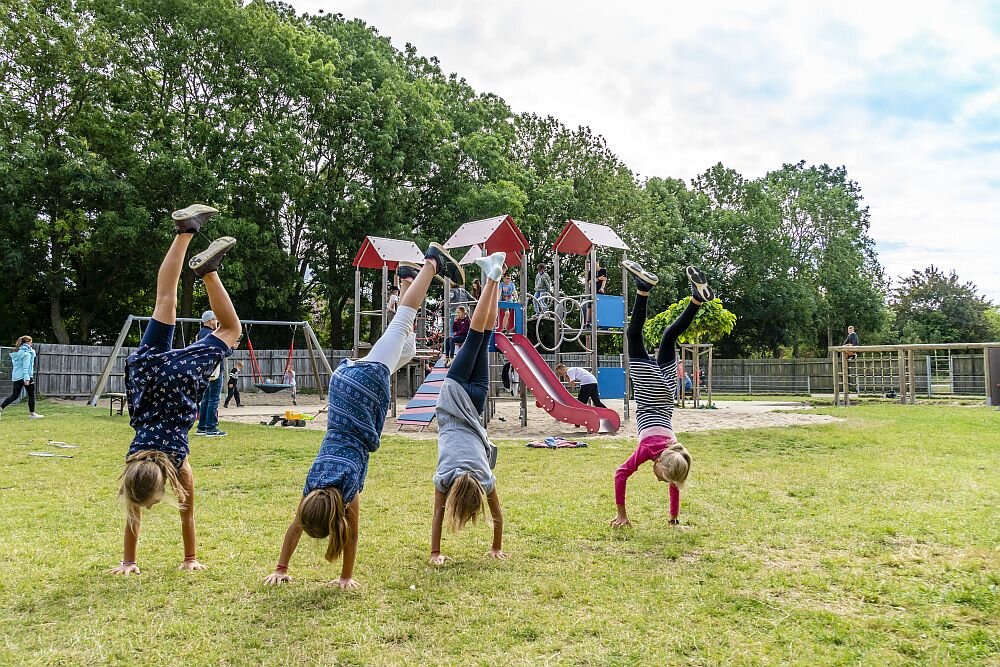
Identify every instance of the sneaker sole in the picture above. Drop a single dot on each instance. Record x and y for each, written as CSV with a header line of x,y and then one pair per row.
x,y
697,278
640,273
461,272
217,247
193,211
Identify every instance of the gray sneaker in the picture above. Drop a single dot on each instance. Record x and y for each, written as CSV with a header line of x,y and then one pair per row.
x,y
189,220
208,260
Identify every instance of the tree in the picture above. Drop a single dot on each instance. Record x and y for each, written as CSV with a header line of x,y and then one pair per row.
x,y
712,323
933,307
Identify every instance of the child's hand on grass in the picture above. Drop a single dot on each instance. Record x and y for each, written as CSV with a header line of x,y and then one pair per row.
x,y
497,553
125,569
346,584
191,566
439,559
621,521
277,578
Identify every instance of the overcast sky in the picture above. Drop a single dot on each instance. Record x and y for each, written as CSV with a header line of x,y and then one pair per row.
x,y
906,96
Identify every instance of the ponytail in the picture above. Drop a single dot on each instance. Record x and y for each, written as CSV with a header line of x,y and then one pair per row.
x,y
322,513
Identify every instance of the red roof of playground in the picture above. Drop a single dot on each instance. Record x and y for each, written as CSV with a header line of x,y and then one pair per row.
x,y
377,252
578,237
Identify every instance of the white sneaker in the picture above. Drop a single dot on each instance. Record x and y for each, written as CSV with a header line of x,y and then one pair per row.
x,y
35,415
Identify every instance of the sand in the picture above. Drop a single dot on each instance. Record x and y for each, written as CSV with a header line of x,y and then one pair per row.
x,y
506,424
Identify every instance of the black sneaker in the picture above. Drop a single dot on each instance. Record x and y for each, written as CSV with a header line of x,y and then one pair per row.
x,y
644,280
209,259
447,266
189,220
699,285
407,271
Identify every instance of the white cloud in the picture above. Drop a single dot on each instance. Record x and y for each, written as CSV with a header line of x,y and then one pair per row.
x,y
905,95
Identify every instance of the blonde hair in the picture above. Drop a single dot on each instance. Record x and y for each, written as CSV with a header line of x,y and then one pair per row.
x,y
674,464
464,502
322,513
144,478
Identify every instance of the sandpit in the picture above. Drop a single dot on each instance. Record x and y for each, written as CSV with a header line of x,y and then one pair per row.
x,y
506,424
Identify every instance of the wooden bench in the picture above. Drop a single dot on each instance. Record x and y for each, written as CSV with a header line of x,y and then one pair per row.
x,y
118,398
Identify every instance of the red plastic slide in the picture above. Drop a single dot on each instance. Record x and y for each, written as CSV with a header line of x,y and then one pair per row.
x,y
549,392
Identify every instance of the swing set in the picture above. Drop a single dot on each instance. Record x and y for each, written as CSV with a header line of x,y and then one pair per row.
x,y
317,360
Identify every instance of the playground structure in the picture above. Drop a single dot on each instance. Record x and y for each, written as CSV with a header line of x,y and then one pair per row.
x,y
899,371
695,352
501,234
316,357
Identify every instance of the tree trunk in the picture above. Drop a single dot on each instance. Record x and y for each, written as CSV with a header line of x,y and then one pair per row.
x,y
55,313
187,292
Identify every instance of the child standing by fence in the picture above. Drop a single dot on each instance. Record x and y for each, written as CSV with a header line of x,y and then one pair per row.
x,y
163,386
464,480
359,396
655,386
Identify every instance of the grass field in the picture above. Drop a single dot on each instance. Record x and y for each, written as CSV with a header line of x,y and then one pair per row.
x,y
874,541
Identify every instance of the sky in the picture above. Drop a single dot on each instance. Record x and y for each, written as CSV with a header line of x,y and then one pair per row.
x,y
906,96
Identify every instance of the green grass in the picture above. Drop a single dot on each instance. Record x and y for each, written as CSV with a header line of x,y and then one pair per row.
x,y
871,541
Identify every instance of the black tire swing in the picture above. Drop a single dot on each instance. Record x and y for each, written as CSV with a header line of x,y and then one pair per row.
x,y
269,387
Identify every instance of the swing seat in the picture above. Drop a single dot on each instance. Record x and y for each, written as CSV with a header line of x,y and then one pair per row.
x,y
272,387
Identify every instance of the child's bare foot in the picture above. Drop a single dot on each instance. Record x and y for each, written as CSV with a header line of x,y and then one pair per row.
x,y
191,566
126,569
497,553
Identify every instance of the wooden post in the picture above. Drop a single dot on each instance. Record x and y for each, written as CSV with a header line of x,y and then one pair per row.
x,y
911,374
306,330
95,395
847,380
834,364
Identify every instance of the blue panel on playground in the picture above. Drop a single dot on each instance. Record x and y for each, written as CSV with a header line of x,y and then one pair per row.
x,y
518,319
611,382
610,311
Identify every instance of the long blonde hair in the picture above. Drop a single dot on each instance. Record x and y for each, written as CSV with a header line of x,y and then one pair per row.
x,y
143,478
321,514
464,502
674,464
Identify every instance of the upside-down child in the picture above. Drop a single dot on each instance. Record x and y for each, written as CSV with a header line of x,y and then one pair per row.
x,y
164,385
359,396
655,386
464,482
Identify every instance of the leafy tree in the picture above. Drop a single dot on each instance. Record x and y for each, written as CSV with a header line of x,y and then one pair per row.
x,y
712,323
931,306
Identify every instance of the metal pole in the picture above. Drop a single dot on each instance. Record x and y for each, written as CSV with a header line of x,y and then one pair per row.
x,y
357,312
625,320
593,306
106,372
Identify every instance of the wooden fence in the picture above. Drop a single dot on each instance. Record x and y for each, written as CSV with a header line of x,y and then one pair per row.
x,y
72,370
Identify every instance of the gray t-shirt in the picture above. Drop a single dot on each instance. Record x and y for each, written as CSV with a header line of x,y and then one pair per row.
x,y
463,444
